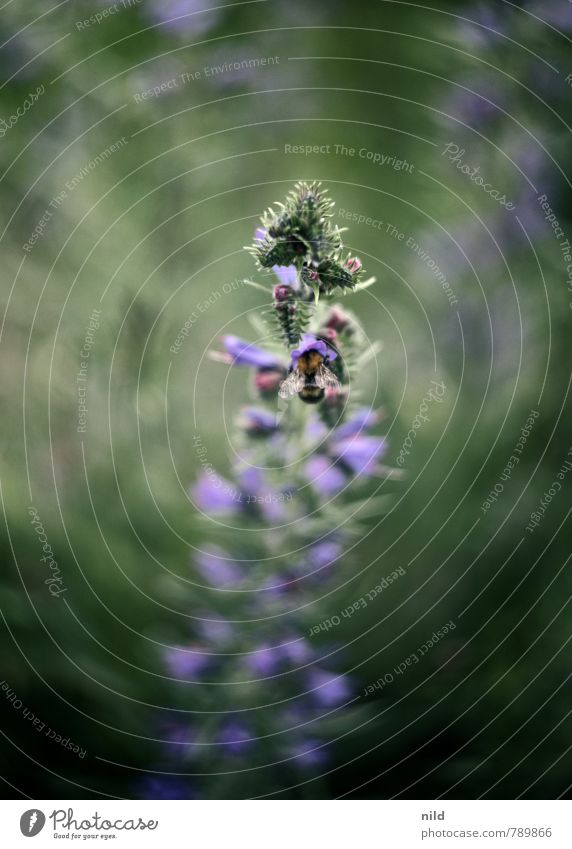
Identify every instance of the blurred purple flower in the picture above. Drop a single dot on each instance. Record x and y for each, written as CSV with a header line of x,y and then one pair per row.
x,y
217,568
276,586
286,274
474,109
323,554
507,230
260,495
214,495
235,737
269,659
242,353
346,445
481,25
296,650
295,714
325,477
214,630
183,16
308,753
316,430
251,479
186,662
179,740
362,419
555,12
258,422
360,453
327,688
266,660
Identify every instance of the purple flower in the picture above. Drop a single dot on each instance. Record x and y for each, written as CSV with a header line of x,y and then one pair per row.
x,y
257,422
268,659
282,298
481,25
265,660
346,445
276,586
296,650
217,568
316,430
182,16
556,12
325,477
308,753
323,554
186,662
476,108
327,688
286,274
312,343
214,630
296,714
213,495
251,479
260,495
180,738
360,453
235,737
242,353
362,419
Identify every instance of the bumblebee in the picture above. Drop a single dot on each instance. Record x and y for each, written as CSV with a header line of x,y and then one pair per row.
x,y
309,379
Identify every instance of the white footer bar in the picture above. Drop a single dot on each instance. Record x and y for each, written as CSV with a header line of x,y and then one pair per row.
x,y
289,824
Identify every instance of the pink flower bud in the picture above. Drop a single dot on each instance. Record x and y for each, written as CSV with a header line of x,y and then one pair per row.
x,y
353,264
282,293
267,381
329,333
337,319
336,397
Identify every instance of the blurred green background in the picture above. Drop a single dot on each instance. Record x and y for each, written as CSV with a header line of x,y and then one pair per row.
x,y
156,226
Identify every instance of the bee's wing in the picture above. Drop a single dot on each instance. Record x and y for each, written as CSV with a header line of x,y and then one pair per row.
x,y
291,385
326,379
